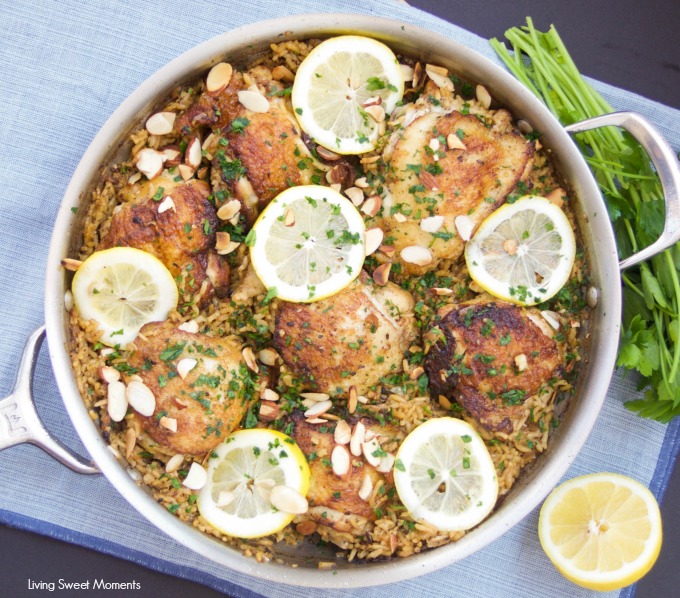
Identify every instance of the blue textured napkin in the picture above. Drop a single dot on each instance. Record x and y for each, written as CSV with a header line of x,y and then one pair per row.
x,y
63,69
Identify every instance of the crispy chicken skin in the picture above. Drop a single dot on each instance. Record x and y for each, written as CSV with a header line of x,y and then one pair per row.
x,y
490,357
208,404
332,492
352,338
183,237
469,182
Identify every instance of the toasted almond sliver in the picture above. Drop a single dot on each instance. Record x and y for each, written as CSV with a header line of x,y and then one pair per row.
x,y
169,423
315,397
185,365
336,187
371,451
483,96
149,162
253,101
373,239
289,218
400,218
229,209
434,144
357,439
269,395
464,226
355,194
268,356
166,204
416,254
140,397
372,101
521,362
432,224
552,318
353,399
174,463
556,196
406,72
233,245
134,178
343,433
186,171
372,205
130,441
427,179
190,326
454,142
416,372
361,182
194,153
68,300
377,113
442,291
117,403
222,240
366,487
218,77
109,374
326,154
282,73
224,498
161,123
196,478
288,500
269,411
340,460
381,274
441,81
388,250
318,408
249,358
386,463
435,68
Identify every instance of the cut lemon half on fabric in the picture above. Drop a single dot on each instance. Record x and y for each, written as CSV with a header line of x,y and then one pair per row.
x,y
444,475
122,289
523,252
307,244
257,482
342,91
602,531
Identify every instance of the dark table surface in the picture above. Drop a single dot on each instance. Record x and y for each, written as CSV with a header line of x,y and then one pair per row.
x,y
632,44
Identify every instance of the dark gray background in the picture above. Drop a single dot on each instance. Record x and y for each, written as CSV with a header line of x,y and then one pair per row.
x,y
632,44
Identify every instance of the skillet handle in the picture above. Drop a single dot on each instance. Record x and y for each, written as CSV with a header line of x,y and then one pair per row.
x,y
666,164
20,422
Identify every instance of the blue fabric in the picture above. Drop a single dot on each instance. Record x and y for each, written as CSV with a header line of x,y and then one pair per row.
x,y
65,67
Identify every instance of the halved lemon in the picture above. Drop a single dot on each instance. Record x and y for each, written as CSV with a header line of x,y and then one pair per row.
x,y
307,244
602,531
122,289
523,252
444,474
243,474
336,84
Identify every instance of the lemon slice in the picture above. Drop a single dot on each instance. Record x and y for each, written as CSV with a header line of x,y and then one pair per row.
x,y
336,83
444,474
602,531
307,244
244,473
122,289
523,252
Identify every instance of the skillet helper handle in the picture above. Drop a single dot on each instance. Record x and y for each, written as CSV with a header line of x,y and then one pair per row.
x,y
666,164
19,420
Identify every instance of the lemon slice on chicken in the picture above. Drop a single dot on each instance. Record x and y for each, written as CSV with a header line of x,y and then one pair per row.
x,y
122,289
257,482
307,244
523,252
342,91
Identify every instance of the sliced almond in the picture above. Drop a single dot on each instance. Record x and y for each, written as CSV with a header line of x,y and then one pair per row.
x,y
190,326
134,178
442,291
372,101
229,209
71,264
268,356
372,205
355,194
386,463
315,397
377,113
209,143
340,460
440,80
483,96
169,423
289,218
108,374
556,196
435,68
372,239
194,153
343,433
166,204
357,439
366,488
218,78
521,362
149,162
406,72
269,395
161,123
282,73
400,218
185,365
222,240
353,399
232,246
186,171
253,101
416,254
117,402
552,318
434,144
388,250
418,75
174,463
454,142
140,397
269,411
381,274
288,500
196,478
361,182
432,224
224,498
372,452
326,154
510,246
427,179
68,300
318,408
130,441
336,187
464,225
249,358
416,372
